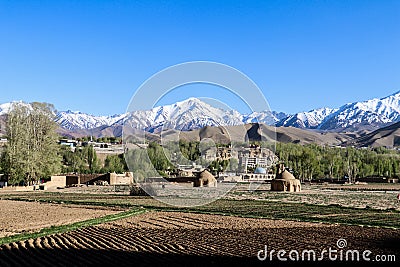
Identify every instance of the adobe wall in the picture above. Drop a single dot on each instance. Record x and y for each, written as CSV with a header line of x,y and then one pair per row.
x,y
117,179
57,181
17,188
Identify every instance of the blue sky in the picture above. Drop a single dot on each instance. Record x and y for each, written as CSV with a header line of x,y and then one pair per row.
x,y
92,55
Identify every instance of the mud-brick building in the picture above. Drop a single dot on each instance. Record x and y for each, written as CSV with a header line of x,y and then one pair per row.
x,y
285,181
60,181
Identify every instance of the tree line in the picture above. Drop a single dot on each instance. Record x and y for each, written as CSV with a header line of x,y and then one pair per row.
x,y
315,161
85,160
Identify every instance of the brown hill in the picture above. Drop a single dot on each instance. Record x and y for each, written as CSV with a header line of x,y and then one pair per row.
x,y
256,132
388,136
224,134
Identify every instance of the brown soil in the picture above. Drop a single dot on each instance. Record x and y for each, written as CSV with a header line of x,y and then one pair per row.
x,y
356,196
179,220
182,239
18,216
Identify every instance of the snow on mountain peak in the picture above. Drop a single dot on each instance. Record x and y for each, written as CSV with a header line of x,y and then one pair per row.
x,y
6,107
374,113
74,120
184,115
188,114
194,113
311,119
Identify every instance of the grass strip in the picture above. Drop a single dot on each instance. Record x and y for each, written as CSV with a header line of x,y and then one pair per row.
x,y
70,227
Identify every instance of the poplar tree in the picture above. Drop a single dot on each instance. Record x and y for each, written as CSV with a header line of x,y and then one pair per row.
x,y
32,150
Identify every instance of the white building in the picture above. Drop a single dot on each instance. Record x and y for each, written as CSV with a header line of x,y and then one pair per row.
x,y
256,156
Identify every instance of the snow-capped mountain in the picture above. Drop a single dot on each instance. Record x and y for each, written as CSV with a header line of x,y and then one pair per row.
x,y
267,117
185,115
311,119
73,120
371,114
193,114
375,112
6,107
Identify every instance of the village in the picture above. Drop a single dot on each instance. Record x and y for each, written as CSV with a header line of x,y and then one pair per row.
x,y
253,164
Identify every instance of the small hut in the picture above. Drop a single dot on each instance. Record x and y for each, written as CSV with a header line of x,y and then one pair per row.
x,y
206,179
285,181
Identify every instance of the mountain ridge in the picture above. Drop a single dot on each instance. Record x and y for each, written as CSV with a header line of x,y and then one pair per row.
x,y
192,113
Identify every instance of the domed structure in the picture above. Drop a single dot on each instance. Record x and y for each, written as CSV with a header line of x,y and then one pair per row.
x,y
285,181
206,179
260,170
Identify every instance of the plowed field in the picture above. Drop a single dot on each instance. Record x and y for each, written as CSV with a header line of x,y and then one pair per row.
x,y
17,216
182,239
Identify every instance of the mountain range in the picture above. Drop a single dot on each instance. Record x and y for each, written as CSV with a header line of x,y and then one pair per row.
x,y
185,115
194,114
370,114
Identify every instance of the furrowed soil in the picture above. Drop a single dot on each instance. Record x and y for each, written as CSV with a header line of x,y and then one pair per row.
x,y
313,219
21,217
187,239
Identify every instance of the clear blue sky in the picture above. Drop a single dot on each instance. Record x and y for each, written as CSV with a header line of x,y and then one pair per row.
x,y
92,55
